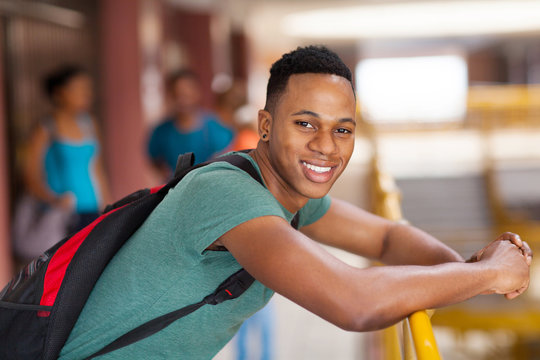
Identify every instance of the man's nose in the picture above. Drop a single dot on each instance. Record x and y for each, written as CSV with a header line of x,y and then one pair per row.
x,y
323,142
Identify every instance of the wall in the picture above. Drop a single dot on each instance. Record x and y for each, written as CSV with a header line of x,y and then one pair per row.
x,y
191,32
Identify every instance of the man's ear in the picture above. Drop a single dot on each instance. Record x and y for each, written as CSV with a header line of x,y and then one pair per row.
x,y
264,125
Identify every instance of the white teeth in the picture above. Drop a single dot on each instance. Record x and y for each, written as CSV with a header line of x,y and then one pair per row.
x,y
317,169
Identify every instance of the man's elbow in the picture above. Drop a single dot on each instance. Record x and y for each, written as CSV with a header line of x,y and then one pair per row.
x,y
368,319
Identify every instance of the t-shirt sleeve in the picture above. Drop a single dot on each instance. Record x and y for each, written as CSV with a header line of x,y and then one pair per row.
x,y
216,200
314,210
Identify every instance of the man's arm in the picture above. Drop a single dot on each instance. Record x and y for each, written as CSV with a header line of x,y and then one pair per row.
x,y
365,299
350,228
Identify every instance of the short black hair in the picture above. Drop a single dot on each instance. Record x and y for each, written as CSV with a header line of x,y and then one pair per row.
x,y
183,73
303,60
60,77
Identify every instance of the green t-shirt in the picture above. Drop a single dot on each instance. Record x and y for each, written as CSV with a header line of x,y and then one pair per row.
x,y
165,266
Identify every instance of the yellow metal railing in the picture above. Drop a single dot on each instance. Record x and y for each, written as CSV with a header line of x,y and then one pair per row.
x,y
489,109
416,330
503,106
496,110
422,336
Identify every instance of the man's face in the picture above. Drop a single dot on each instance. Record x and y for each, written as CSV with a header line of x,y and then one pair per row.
x,y
311,133
186,94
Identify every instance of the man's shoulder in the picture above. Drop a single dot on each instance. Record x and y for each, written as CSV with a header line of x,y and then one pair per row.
x,y
212,120
221,186
166,124
222,172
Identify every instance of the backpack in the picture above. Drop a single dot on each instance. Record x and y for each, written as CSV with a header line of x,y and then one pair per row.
x,y
40,306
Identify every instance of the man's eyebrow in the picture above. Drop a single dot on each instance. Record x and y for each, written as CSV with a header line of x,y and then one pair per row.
x,y
307,112
350,120
314,114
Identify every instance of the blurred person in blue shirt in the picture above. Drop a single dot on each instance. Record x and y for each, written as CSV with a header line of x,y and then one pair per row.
x,y
189,128
63,164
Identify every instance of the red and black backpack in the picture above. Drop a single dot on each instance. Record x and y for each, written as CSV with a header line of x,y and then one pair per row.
x,y
40,306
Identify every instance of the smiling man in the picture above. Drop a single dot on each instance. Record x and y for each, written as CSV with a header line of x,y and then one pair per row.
x,y
218,219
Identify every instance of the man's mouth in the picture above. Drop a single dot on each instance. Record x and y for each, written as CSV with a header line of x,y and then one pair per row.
x,y
318,173
317,169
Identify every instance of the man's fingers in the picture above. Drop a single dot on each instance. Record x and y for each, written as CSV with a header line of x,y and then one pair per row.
x,y
516,293
509,236
512,295
514,238
527,252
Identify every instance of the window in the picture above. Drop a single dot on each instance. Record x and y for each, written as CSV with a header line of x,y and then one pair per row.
x,y
412,89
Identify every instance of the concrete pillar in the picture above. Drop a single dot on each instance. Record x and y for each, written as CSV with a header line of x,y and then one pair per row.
x,y
6,262
124,127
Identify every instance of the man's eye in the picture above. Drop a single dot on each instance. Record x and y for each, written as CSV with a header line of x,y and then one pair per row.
x,y
344,131
305,124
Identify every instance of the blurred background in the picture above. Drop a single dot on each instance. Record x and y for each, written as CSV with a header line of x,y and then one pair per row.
x,y
448,106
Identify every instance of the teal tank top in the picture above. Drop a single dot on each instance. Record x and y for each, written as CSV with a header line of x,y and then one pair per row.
x,y
69,166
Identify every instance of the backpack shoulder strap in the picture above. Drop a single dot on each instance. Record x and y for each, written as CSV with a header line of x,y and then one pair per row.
x,y
246,165
86,125
234,286
243,164
184,162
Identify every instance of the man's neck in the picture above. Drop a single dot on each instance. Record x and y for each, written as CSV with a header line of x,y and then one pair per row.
x,y
287,197
186,121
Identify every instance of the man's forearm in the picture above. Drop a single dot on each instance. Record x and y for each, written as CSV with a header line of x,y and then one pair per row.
x,y
407,245
397,291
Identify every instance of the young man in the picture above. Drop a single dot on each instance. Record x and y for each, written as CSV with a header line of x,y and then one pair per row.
x,y
189,128
307,137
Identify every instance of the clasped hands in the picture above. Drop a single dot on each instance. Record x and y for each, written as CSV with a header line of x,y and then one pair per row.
x,y
511,258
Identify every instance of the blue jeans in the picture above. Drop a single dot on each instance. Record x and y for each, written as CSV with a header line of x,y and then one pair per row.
x,y
262,324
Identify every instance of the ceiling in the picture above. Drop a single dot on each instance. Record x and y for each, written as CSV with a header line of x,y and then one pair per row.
x,y
381,19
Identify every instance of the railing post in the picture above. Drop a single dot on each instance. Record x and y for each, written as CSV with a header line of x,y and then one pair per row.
x,y
408,346
391,344
387,203
423,338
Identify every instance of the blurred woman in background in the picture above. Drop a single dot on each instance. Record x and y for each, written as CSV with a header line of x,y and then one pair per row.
x,y
63,165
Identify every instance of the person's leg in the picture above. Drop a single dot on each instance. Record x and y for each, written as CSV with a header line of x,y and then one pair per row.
x,y
241,340
266,322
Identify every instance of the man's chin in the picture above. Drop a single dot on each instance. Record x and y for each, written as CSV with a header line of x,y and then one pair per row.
x,y
318,191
